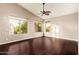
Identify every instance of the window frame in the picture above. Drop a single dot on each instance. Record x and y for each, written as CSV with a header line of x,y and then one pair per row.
x,y
16,18
46,27
36,21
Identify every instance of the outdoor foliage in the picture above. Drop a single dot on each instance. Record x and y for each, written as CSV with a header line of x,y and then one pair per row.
x,y
38,26
48,27
21,29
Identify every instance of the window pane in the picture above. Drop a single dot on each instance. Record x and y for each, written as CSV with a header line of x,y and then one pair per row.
x,y
38,26
18,26
48,26
23,27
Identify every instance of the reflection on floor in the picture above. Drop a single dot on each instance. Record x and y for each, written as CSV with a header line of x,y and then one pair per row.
x,y
40,46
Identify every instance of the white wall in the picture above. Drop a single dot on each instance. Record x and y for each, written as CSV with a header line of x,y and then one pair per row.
x,y
67,27
16,11
5,37
67,24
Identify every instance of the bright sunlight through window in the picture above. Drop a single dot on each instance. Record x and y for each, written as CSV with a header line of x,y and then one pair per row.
x,y
18,25
48,26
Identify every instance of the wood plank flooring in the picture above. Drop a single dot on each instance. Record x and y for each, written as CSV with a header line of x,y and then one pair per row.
x,y
40,46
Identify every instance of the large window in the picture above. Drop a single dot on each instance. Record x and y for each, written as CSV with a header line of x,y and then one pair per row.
x,y
55,29
48,26
18,25
38,26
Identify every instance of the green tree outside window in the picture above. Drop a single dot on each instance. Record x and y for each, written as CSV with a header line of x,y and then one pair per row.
x,y
21,29
48,26
38,26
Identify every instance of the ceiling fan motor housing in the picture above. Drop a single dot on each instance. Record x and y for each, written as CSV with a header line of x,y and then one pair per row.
x,y
45,12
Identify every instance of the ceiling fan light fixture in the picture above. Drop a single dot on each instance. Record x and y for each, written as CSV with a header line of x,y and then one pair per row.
x,y
43,12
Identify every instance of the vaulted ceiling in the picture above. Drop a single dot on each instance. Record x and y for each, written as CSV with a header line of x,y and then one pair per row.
x,y
58,9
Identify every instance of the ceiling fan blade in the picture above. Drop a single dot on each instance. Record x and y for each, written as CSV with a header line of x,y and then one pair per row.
x,y
48,11
43,12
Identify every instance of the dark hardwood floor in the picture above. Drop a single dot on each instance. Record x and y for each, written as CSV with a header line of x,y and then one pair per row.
x,y
40,46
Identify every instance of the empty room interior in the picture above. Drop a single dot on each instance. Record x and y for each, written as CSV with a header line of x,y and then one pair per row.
x,y
39,28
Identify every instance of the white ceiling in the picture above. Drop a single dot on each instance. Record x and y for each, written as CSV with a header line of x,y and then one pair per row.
x,y
58,9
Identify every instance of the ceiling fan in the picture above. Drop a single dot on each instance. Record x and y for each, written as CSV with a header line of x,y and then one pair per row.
x,y
43,12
